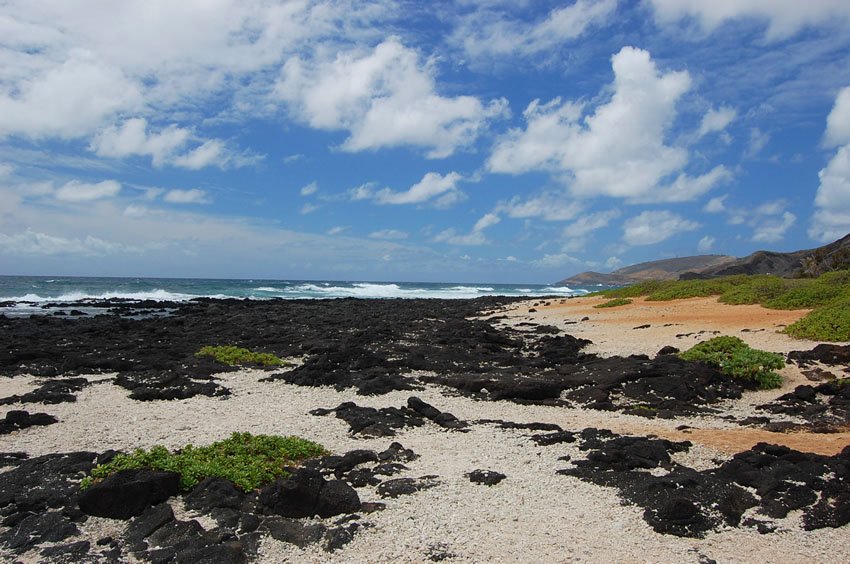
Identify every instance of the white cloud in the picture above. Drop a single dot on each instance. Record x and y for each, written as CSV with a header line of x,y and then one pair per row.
x,y
716,120
384,98
487,220
555,260
652,227
838,121
589,223
69,70
132,138
832,202
784,18
66,100
773,229
75,191
613,263
337,230
716,205
389,234
618,149
549,206
309,189
192,196
6,170
706,244
432,185
294,158
474,237
211,152
758,141
489,34
308,208
36,243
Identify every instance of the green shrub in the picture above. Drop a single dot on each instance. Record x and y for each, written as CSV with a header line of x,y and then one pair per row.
x,y
233,356
640,289
683,289
735,358
614,303
830,322
249,461
756,291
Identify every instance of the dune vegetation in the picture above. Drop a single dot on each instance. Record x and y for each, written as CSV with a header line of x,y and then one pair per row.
x,y
828,296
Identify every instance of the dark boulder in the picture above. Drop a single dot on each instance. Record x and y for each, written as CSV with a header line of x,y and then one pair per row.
x,y
128,493
16,420
306,493
406,486
485,477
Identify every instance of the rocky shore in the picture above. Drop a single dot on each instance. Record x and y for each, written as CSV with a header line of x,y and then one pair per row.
x,y
460,430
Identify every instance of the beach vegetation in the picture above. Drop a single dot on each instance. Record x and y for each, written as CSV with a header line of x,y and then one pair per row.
x,y
828,296
614,303
249,461
737,359
238,356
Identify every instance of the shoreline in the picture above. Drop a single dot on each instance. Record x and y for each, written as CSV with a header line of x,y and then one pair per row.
x,y
454,520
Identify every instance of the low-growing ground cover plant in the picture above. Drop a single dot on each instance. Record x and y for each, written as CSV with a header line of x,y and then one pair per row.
x,y
828,296
614,303
736,358
249,461
233,356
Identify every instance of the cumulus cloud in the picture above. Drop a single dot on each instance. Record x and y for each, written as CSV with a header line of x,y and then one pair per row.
x,y
69,70
619,148
706,244
758,141
589,223
308,208
132,138
192,196
337,230
36,243
309,189
652,227
784,18
716,120
432,185
440,190
838,121
389,235
773,228
716,205
76,191
555,260
474,237
489,34
66,100
385,97
831,219
549,206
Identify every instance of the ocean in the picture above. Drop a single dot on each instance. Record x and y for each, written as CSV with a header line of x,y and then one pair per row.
x,y
31,293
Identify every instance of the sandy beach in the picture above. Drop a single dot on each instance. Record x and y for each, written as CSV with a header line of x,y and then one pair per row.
x,y
534,514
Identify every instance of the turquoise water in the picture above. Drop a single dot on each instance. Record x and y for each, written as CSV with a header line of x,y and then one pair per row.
x,y
36,290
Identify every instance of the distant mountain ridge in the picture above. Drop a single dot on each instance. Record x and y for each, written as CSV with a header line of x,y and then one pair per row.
x,y
665,269
808,262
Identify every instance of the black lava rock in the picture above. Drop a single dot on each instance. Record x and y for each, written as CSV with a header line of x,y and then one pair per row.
x,y
306,493
127,493
485,477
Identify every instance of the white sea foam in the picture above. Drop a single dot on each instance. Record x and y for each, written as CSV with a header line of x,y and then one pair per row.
x,y
157,294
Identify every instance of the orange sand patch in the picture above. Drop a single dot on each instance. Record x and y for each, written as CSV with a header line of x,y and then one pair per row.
x,y
707,313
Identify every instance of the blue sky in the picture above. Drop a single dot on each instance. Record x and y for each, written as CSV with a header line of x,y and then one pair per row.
x,y
468,141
